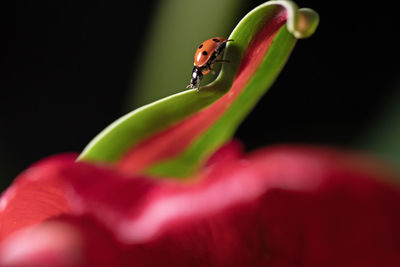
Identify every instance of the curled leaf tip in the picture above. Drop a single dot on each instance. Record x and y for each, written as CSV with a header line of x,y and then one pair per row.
x,y
306,24
302,22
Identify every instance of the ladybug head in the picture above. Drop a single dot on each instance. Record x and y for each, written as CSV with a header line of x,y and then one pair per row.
x,y
197,75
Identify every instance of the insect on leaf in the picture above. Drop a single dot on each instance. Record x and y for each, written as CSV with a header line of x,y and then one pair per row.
x,y
175,135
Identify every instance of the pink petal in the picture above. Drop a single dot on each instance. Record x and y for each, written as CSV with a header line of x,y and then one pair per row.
x,y
63,242
281,206
35,195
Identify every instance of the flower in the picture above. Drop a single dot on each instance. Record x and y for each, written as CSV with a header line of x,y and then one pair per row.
x,y
278,206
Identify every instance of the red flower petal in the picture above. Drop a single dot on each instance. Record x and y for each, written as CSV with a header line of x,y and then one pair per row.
x,y
37,194
280,206
64,242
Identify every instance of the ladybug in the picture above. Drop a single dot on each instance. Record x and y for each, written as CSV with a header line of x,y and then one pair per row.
x,y
207,54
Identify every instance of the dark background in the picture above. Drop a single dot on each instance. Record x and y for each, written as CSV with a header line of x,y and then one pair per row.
x,y
65,70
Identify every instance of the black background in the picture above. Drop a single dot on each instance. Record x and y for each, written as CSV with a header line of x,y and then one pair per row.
x,y
65,69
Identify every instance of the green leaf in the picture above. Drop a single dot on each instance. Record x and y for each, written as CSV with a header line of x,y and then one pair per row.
x,y
173,136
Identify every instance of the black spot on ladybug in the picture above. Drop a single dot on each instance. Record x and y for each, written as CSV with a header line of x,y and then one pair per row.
x,y
216,40
201,46
204,53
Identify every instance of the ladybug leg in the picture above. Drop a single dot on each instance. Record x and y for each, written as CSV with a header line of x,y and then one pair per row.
x,y
198,86
211,68
198,81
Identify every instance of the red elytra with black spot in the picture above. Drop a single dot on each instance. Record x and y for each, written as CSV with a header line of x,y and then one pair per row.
x,y
206,50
